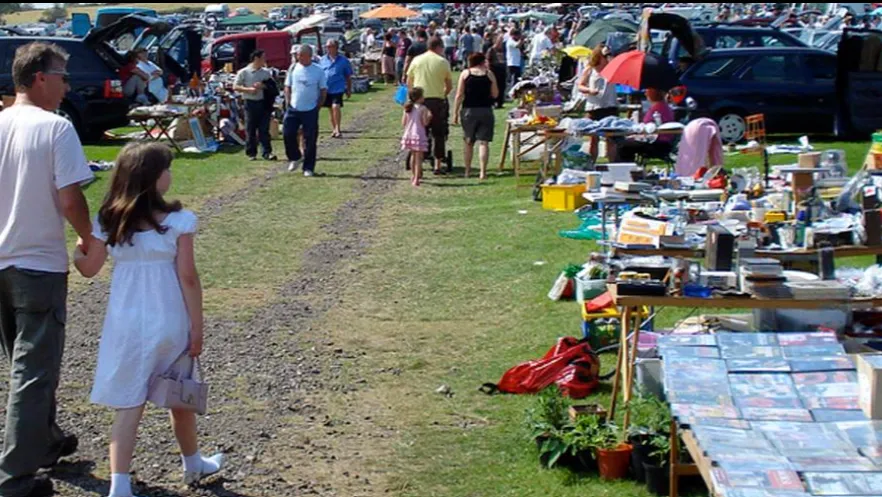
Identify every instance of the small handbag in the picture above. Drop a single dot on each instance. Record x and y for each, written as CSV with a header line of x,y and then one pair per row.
x,y
179,388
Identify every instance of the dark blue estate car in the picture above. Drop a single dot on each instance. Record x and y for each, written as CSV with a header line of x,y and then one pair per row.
x,y
794,87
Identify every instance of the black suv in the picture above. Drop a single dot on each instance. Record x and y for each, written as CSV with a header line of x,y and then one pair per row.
x,y
728,36
95,102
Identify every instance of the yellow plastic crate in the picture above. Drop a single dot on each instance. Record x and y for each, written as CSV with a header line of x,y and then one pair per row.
x,y
563,198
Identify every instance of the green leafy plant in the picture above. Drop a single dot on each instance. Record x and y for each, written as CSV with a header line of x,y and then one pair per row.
x,y
550,415
549,424
554,445
649,415
589,433
661,448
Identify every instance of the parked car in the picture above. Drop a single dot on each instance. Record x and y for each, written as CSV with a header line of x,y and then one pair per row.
x,y
794,87
724,36
237,49
95,102
375,24
178,50
110,15
829,42
858,80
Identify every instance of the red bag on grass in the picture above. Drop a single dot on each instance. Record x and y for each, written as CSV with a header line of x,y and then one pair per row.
x,y
570,364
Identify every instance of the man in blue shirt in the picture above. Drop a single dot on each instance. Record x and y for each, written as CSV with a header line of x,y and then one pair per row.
x,y
338,71
306,88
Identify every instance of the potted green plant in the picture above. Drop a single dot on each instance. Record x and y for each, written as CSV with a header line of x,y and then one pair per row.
x,y
649,417
582,439
548,422
613,454
657,468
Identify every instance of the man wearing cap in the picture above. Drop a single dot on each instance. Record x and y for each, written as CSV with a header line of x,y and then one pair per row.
x,y
338,72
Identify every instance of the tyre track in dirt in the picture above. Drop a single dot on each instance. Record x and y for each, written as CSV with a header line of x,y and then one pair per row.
x,y
257,374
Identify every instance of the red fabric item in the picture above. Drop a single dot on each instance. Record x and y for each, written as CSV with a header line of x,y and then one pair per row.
x,y
700,173
718,183
571,365
125,72
570,290
599,303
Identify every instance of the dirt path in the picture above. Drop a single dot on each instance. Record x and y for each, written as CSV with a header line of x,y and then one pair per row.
x,y
260,372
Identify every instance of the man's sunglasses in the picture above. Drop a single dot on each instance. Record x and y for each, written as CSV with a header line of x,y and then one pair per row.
x,y
65,76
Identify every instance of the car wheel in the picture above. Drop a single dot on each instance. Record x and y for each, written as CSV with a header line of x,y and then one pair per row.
x,y
67,112
732,127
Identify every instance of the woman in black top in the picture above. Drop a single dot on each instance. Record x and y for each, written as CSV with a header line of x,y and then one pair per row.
x,y
475,95
389,49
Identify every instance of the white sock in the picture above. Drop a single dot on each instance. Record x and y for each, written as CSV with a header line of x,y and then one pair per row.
x,y
193,464
120,485
198,464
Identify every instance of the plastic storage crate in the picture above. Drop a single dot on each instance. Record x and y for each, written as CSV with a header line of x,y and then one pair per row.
x,y
563,198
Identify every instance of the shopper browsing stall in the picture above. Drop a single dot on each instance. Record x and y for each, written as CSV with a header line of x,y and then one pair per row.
x,y
659,113
600,95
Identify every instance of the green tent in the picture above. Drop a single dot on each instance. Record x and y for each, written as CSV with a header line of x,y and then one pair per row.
x,y
598,31
249,20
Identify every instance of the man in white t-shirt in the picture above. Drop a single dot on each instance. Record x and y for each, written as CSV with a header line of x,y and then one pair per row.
x,y
541,44
513,55
41,168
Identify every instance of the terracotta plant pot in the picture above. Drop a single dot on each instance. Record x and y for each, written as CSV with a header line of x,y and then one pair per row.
x,y
614,464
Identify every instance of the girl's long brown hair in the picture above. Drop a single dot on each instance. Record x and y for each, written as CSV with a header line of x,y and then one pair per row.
x,y
133,199
414,96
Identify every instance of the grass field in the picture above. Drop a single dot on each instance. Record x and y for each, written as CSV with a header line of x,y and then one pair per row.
x,y
34,15
454,295
452,292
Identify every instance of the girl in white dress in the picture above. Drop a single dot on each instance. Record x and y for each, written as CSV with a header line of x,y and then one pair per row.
x,y
155,311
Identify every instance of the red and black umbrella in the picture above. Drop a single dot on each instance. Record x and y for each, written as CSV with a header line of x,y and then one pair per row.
x,y
641,70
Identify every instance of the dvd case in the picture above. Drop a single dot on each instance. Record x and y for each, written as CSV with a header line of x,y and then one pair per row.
x,y
844,484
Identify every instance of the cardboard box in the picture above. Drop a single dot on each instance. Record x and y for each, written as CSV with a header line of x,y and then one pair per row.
x,y
810,160
641,231
552,111
874,161
869,368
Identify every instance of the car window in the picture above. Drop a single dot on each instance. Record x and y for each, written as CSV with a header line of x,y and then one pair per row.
x,y
821,67
225,51
775,69
9,55
727,41
178,51
718,68
772,41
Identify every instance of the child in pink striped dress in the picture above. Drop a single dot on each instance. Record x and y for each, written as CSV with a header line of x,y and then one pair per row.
x,y
415,119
